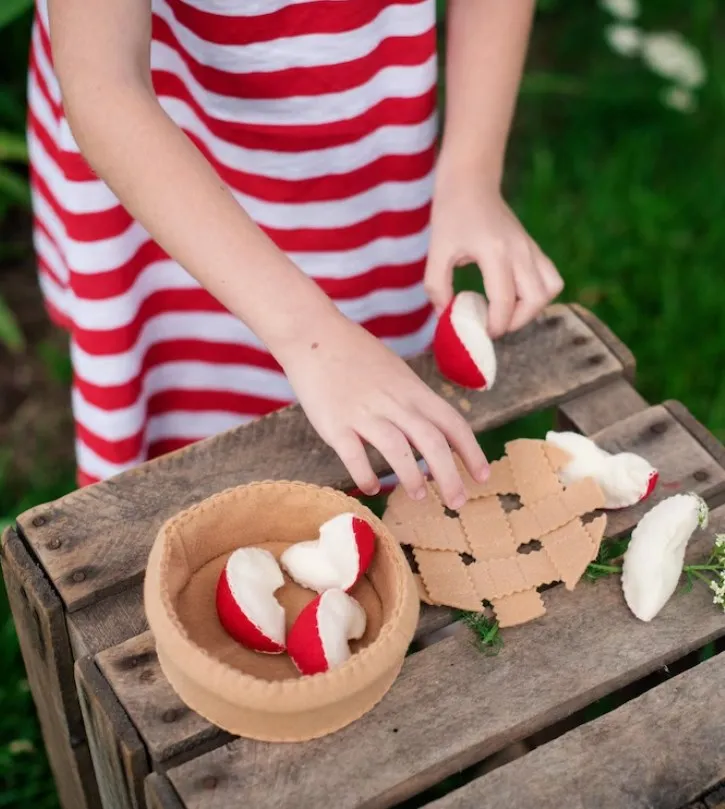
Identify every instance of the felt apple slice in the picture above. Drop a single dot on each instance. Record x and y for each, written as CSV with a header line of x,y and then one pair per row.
x,y
319,639
337,559
462,348
625,478
655,555
245,600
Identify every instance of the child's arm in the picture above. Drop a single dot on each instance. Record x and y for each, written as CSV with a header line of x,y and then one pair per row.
x,y
486,48
352,388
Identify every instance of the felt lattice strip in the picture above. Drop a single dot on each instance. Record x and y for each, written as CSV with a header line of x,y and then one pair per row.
x,y
500,480
492,568
424,524
487,529
446,579
546,515
518,608
534,475
570,550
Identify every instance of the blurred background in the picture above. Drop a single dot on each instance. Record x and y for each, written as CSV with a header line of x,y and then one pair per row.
x,y
616,167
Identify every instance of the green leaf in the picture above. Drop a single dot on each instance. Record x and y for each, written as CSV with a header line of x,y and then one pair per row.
x,y
13,148
14,188
12,109
10,334
12,10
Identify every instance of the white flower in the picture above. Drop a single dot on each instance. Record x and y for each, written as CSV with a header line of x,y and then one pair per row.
x,y
678,98
720,542
623,39
670,55
621,9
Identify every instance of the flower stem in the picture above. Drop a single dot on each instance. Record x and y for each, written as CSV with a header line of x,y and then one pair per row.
x,y
605,568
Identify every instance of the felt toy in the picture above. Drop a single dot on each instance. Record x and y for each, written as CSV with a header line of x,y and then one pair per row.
x,y
625,478
337,559
462,348
245,600
318,639
655,555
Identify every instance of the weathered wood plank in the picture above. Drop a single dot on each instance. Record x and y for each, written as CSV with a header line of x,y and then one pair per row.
x,y
171,731
119,758
452,706
107,622
96,541
160,794
610,339
693,426
38,617
660,750
600,408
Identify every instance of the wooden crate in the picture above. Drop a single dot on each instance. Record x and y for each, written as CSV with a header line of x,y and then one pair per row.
x,y
118,737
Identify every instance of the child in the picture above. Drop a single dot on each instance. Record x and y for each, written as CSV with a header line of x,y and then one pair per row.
x,y
281,152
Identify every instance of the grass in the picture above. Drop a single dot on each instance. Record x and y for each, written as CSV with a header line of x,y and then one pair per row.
x,y
624,194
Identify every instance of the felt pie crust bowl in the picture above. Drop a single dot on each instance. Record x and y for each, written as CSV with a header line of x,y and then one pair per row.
x,y
262,696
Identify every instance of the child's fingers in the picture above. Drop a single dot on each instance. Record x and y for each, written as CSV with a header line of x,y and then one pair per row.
x,y
500,290
460,436
435,449
392,444
531,292
438,279
550,277
351,452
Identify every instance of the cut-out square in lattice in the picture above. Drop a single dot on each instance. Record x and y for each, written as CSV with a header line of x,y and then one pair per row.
x,y
478,554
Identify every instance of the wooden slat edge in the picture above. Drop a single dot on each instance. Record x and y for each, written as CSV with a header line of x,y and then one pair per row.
x,y
609,338
160,794
39,621
119,756
698,431
600,408
628,758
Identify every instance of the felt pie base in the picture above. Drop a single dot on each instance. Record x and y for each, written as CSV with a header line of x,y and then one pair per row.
x,y
263,696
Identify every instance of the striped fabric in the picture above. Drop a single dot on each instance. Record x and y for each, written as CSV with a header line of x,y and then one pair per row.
x,y
320,116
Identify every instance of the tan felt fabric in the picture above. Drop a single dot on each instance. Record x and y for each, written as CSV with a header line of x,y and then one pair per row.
x,y
518,608
498,571
262,696
500,479
446,580
558,457
534,476
424,524
487,529
422,592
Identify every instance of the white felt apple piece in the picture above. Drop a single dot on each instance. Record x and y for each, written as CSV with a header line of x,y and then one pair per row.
x,y
462,347
319,638
245,600
624,478
655,556
337,559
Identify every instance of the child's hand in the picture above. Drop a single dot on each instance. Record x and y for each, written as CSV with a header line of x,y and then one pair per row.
x,y
472,223
354,390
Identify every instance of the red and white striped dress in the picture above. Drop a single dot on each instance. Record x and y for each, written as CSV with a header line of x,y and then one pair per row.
x,y
320,115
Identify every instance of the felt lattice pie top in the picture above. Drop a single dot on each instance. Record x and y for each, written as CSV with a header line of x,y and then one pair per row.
x,y
480,553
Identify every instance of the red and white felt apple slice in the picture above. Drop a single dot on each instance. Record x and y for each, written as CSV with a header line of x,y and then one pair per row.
x,y
319,638
625,478
337,559
462,348
245,600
